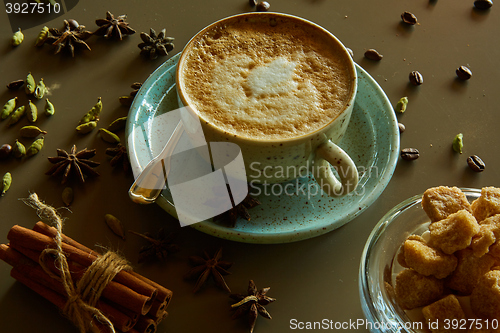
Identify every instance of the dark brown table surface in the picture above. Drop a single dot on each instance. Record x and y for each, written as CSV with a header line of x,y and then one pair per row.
x,y
314,279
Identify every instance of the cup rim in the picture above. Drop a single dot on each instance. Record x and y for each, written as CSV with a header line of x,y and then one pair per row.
x,y
352,68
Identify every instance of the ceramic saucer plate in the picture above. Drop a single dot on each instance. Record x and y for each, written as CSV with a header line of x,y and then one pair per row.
x,y
292,211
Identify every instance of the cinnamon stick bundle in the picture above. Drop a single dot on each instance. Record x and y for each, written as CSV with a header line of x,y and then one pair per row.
x,y
131,302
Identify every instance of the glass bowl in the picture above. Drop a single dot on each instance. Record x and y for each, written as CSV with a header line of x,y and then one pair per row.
x,y
379,266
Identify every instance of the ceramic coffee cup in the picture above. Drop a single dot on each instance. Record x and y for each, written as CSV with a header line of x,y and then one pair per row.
x,y
280,87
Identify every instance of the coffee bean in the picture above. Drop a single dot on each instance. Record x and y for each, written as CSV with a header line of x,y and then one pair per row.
x,y
416,78
252,3
373,54
5,150
463,73
409,154
475,163
263,6
483,4
409,18
401,127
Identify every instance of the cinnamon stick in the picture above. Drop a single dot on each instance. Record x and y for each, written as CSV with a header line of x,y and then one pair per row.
x,y
145,325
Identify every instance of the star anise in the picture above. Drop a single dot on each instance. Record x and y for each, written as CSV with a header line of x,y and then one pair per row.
x,y
154,45
240,210
111,26
77,163
207,266
120,156
252,304
159,247
73,35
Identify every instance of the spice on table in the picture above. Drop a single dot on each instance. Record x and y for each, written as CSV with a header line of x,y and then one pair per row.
x,y
5,150
17,38
401,127
32,113
263,6
458,143
92,114
67,196
42,36
252,304
14,85
35,147
9,107
409,18
252,3
31,131
86,127
402,104
6,182
154,45
77,163
109,136
475,163
113,27
17,115
126,100
30,86
463,73
416,78
483,4
135,88
373,54
49,108
159,247
19,149
115,225
117,124
410,154
40,89
240,210
120,156
72,35
207,266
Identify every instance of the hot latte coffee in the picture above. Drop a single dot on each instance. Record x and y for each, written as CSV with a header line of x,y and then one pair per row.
x,y
267,77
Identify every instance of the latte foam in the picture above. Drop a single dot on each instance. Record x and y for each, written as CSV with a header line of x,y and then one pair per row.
x,y
266,79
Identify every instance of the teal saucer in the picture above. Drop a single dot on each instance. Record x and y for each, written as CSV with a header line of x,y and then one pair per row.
x,y
299,212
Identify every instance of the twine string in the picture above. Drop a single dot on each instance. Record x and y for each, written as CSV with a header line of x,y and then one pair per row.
x,y
81,302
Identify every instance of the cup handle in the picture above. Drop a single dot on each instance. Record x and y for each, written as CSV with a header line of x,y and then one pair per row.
x,y
329,154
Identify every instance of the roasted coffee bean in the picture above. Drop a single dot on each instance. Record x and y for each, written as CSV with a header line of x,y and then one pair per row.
x,y
463,73
252,3
409,18
263,6
401,127
5,150
410,154
416,78
373,54
475,163
483,4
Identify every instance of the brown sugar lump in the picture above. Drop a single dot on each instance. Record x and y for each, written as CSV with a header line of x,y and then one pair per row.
x,y
469,269
427,260
414,290
401,254
488,204
439,314
488,235
485,299
439,202
454,232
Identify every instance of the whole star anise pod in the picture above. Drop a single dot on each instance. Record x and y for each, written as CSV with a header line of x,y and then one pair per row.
x,y
74,162
120,156
73,35
207,266
240,210
252,304
111,26
154,45
159,247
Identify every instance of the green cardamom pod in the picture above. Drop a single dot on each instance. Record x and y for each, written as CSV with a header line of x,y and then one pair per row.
x,y
109,136
31,131
67,196
401,105
32,113
42,36
49,108
93,114
35,147
19,149
17,38
30,84
458,143
86,127
126,100
115,225
40,89
9,107
117,124
17,115
6,182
